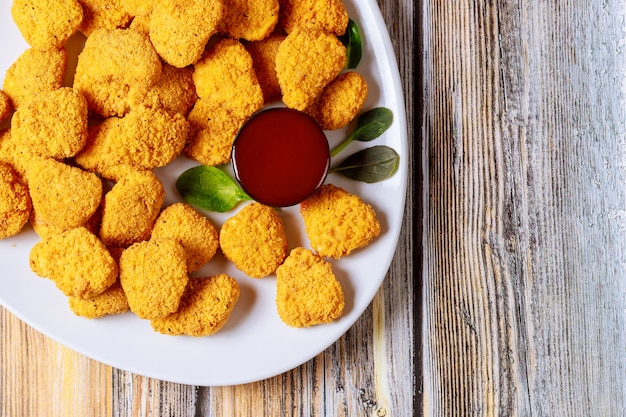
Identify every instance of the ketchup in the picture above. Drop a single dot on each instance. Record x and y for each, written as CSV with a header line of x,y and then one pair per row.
x,y
280,157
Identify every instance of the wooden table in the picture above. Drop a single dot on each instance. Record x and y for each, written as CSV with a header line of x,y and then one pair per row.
x,y
368,371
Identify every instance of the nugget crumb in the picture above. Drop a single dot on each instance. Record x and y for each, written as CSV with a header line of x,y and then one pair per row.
x,y
15,203
111,301
307,292
204,308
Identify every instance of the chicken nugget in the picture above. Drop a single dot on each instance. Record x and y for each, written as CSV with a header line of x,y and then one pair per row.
x,y
192,230
45,230
180,29
254,240
141,24
54,125
77,261
144,139
174,91
307,291
250,20
112,301
340,101
139,7
330,16
15,203
115,70
153,275
6,108
130,209
47,24
14,153
307,60
103,14
63,196
263,55
204,307
338,222
34,72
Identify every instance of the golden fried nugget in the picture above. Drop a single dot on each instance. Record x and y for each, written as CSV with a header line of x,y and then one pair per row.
x,y
153,275
204,307
45,230
77,261
112,301
330,16
54,125
139,7
47,24
34,72
130,209
192,230
63,196
180,29
263,55
307,291
340,101
103,14
250,20
141,24
338,222
144,139
15,203
254,240
306,62
174,91
14,153
6,108
115,70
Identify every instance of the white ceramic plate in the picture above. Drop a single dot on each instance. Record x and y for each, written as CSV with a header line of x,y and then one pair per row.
x,y
254,344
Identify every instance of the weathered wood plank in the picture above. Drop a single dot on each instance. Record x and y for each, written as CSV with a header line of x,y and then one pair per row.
x,y
524,292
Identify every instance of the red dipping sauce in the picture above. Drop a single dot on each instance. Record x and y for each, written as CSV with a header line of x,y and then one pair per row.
x,y
280,157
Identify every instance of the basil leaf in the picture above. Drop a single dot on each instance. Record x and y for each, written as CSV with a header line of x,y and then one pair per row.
x,y
370,165
369,126
210,188
351,39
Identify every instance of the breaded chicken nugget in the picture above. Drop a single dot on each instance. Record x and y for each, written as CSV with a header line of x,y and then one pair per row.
x,y
338,222
6,108
77,261
204,307
328,15
47,24
306,62
340,101
250,20
254,240
45,230
54,125
14,153
141,24
115,70
103,14
263,55
180,29
111,301
174,91
144,139
34,72
192,230
15,203
153,275
130,209
139,7
63,196
307,291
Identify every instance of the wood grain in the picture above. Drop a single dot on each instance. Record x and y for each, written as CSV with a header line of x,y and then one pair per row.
x,y
524,285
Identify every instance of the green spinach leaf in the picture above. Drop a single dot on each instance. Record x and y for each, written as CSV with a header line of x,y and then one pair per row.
x,y
210,188
370,165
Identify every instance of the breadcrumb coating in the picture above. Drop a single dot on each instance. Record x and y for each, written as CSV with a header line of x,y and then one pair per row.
x,y
63,196
153,275
103,14
307,291
174,91
54,125
15,203
130,209
338,222
254,240
192,230
14,153
340,101
180,29
250,20
204,308
33,73
115,70
47,24
139,7
77,261
330,16
306,62
112,301
263,55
